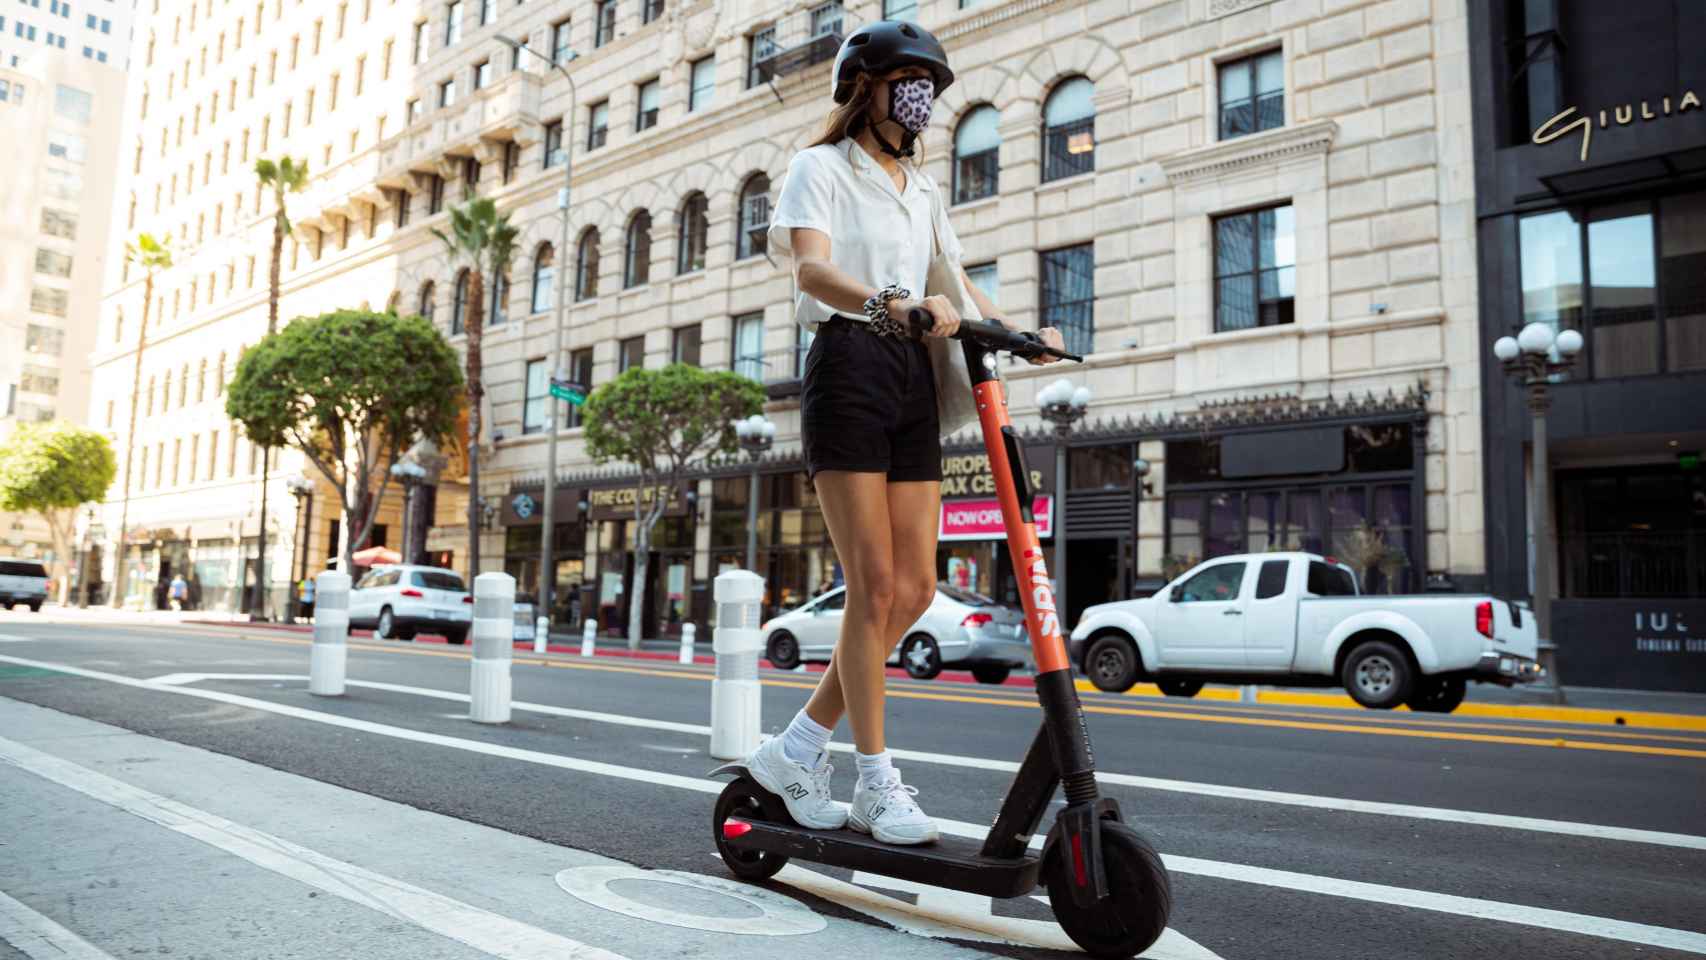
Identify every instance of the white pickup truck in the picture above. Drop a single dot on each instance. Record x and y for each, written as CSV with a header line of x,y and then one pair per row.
x,y
1296,619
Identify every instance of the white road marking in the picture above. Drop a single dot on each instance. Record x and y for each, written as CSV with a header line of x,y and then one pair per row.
x,y
1591,831
779,916
177,679
14,638
40,938
488,932
1379,893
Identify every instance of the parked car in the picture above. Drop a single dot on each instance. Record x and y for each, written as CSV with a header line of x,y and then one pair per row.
x,y
960,629
22,581
398,601
1297,619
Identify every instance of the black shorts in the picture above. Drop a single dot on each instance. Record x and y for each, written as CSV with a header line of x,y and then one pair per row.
x,y
868,403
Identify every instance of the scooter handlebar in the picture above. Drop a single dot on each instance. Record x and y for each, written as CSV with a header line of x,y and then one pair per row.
x,y
1020,343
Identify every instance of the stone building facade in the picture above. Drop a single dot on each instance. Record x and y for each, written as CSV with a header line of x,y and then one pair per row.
x,y
1255,219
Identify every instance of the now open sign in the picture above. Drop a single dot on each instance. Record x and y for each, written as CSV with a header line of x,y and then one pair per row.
x,y
980,519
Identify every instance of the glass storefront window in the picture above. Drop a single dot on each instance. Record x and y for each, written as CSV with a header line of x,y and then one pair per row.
x,y
1682,275
1100,468
1621,267
1551,245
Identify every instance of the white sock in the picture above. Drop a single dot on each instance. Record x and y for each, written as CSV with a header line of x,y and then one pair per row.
x,y
805,740
874,768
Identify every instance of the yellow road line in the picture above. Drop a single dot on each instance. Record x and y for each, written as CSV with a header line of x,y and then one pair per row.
x,y
1329,726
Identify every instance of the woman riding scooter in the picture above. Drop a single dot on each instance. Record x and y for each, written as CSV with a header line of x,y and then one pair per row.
x,y
860,220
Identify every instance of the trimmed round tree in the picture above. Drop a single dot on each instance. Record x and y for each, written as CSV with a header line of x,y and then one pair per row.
x,y
51,469
352,390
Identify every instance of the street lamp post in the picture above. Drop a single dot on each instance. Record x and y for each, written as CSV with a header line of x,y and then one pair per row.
x,y
757,434
82,598
547,519
302,489
1529,359
1141,468
1061,404
409,474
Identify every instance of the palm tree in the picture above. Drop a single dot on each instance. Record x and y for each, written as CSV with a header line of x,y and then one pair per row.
x,y
285,176
152,256
487,240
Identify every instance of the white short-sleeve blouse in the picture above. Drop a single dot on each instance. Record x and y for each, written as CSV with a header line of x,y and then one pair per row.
x,y
877,234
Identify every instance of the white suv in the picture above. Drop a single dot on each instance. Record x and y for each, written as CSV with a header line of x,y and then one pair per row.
x,y
22,581
398,601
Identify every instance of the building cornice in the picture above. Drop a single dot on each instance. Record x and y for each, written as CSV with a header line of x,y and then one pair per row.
x,y
1271,146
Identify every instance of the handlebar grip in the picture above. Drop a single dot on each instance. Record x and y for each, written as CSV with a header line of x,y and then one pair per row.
x,y
992,335
919,320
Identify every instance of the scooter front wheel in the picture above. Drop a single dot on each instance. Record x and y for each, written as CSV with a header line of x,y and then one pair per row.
x,y
1139,900
744,799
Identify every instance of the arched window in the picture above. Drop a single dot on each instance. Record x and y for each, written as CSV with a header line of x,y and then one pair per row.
x,y
498,310
544,277
459,305
428,295
637,254
394,301
753,217
693,227
977,149
1069,130
586,266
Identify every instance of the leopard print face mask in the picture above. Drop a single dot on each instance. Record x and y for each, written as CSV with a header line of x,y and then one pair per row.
x,y
910,102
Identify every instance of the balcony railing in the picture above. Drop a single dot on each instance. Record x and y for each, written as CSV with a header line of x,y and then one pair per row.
x,y
1632,565
801,40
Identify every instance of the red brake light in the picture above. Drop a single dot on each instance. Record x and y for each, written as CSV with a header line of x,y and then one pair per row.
x,y
412,593
1484,618
976,619
467,598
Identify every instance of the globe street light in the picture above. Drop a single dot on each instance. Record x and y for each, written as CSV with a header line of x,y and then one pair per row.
x,y
1061,404
547,519
409,474
1533,358
757,434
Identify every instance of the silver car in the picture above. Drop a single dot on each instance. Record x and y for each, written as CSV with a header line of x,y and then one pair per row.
x,y
961,629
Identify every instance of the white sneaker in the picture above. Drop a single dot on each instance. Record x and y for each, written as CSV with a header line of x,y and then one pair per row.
x,y
804,790
886,811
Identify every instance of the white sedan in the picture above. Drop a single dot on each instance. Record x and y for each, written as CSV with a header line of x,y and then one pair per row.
x,y
960,629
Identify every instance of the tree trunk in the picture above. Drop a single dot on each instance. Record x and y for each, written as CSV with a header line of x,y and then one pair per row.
x,y
637,599
476,392
119,578
259,612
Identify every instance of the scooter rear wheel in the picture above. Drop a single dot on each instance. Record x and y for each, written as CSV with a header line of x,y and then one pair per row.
x,y
1140,897
746,800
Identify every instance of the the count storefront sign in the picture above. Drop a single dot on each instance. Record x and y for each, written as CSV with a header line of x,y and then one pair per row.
x,y
980,519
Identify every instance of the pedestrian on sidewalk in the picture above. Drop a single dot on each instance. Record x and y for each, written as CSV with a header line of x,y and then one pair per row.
x,y
179,593
305,599
863,225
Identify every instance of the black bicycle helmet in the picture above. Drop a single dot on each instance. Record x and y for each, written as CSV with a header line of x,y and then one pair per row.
x,y
885,45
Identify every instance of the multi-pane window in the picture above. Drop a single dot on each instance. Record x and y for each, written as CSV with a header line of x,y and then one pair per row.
x,y
693,230
453,23
446,94
482,74
580,372
748,344
754,218
401,199
586,266
419,49
1069,130
435,199
1630,276
553,143
598,129
412,110
470,175
631,354
704,84
488,11
984,277
544,276
1252,94
646,113
977,155
59,223
52,263
497,312
900,10
761,46
650,10
560,42
1255,258
605,29
512,160
534,406
637,255
1069,295
459,304
684,345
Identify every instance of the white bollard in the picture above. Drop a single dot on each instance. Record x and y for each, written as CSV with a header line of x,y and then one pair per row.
x,y
589,638
687,631
330,651
737,643
494,647
541,630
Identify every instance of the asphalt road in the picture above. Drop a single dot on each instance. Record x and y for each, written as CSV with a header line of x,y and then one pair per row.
x,y
1290,832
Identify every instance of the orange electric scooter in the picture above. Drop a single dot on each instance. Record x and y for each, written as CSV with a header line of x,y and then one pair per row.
x,y
1106,884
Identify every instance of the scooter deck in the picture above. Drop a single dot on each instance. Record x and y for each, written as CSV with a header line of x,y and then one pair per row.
x,y
952,862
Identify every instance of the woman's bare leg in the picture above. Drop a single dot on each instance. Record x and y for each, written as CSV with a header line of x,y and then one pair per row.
x,y
855,509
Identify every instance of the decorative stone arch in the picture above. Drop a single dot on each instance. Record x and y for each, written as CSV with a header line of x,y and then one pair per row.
x,y
690,179
763,157
1084,55
989,84
644,195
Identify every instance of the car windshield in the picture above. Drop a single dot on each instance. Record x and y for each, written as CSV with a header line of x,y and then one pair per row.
x,y
963,595
437,580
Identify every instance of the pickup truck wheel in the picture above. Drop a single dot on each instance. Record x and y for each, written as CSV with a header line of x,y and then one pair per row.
x,y
1175,687
1377,675
1437,694
1112,664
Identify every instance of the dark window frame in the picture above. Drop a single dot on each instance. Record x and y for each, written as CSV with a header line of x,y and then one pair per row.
x,y
693,233
532,403
604,23
679,346
1078,330
750,237
637,262
1249,63
1286,307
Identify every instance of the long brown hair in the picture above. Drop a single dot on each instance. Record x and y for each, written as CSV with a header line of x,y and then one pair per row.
x,y
849,119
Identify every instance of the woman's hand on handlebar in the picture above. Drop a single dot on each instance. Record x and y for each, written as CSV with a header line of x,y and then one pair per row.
x,y
1051,338
947,319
